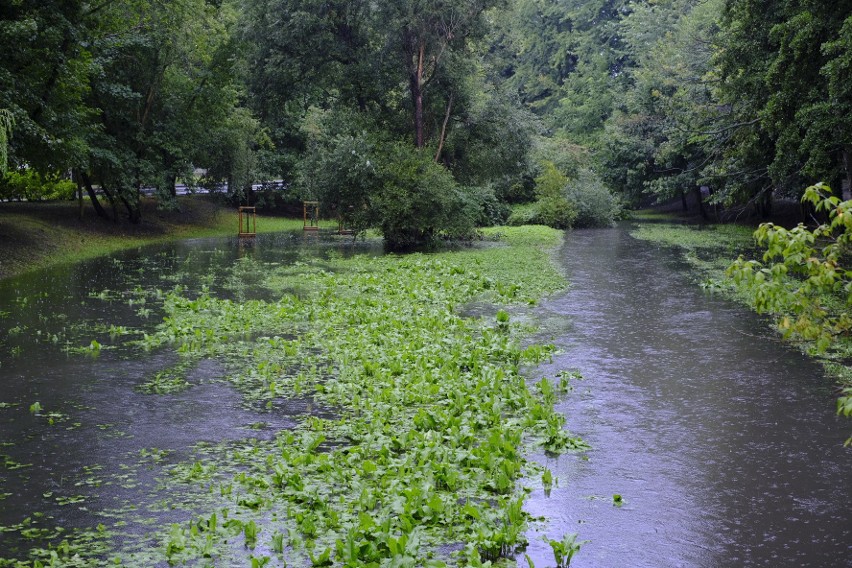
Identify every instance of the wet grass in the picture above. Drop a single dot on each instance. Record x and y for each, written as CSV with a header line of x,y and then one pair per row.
x,y
36,235
709,249
419,459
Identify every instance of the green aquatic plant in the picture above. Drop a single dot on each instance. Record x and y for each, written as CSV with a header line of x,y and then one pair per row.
x,y
168,381
426,420
565,549
547,479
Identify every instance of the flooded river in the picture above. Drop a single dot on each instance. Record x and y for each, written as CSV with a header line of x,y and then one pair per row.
x,y
81,441
722,442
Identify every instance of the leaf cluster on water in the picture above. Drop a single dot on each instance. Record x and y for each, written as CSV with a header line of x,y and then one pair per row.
x,y
422,460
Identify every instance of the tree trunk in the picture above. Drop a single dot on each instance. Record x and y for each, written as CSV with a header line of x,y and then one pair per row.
x,y
171,179
76,177
131,203
444,129
683,201
416,81
87,183
846,190
766,204
715,203
700,203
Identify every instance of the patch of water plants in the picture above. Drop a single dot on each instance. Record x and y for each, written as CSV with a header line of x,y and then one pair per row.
x,y
418,458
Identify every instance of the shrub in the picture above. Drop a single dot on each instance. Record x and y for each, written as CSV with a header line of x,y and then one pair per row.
x,y
594,204
491,210
339,167
550,183
418,200
32,186
551,208
522,191
523,214
556,212
361,174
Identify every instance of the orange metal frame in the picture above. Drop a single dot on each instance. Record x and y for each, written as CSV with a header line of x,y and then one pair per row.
x,y
248,222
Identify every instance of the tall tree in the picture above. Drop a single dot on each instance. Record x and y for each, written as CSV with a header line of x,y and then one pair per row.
x,y
164,79
43,81
427,36
661,139
777,68
309,53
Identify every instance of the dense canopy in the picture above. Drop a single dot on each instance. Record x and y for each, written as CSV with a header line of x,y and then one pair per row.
x,y
641,99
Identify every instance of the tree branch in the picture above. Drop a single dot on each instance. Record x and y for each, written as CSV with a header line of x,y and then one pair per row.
x,y
444,129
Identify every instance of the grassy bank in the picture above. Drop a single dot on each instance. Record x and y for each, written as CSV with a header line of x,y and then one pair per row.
x,y
708,248
34,235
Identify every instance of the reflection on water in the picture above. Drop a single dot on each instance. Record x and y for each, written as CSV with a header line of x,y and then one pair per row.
x,y
723,442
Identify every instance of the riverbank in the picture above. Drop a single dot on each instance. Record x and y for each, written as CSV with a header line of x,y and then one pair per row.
x,y
710,249
34,235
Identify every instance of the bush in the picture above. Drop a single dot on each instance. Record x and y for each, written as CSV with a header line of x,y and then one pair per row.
x,y
551,208
523,214
491,210
594,204
32,186
551,183
339,167
359,173
522,191
418,200
556,212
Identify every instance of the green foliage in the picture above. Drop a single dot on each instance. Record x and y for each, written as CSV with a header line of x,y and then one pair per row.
x,y
659,140
492,145
596,206
782,71
564,550
564,202
419,201
551,208
433,417
43,82
31,186
551,183
371,182
7,121
802,276
566,59
556,212
340,167
492,211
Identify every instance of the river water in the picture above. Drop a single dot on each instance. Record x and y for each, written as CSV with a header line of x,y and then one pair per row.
x,y
96,449
722,442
